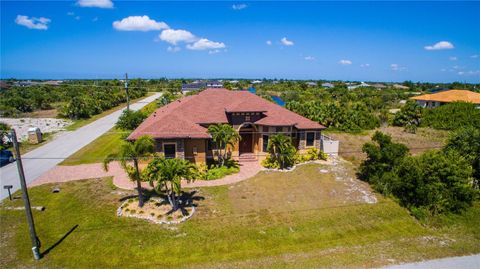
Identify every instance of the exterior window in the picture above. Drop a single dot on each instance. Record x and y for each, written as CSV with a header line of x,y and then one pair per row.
x,y
265,143
279,129
247,118
210,144
169,150
195,152
265,129
310,139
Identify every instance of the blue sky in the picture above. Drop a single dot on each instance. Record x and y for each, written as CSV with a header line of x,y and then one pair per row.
x,y
367,41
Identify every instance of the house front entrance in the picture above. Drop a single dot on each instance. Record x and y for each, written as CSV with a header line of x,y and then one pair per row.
x,y
246,143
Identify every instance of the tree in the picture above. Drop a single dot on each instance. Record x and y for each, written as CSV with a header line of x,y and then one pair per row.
x,y
129,152
382,156
452,116
168,173
466,142
281,148
223,135
129,120
434,181
4,141
409,116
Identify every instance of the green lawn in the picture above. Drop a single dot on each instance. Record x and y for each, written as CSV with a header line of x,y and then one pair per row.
x,y
98,149
262,222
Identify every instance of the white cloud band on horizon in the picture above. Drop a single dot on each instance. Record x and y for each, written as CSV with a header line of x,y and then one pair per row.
x,y
139,23
95,3
309,58
286,42
442,45
33,23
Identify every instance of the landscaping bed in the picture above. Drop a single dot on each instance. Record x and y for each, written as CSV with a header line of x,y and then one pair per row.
x,y
155,210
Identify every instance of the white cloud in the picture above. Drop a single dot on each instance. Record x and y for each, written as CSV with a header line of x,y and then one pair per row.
x,y
77,18
95,19
213,51
309,58
397,67
205,44
452,58
442,45
470,73
239,6
269,42
33,23
174,36
173,49
286,42
474,56
345,62
365,65
139,23
95,3
70,13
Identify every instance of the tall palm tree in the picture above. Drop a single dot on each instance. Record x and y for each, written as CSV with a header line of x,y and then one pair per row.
x,y
223,135
129,152
282,149
168,173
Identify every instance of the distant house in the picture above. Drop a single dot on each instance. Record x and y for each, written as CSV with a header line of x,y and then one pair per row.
x,y
180,129
214,84
53,82
362,84
256,82
194,86
400,87
379,86
437,99
311,84
4,85
328,85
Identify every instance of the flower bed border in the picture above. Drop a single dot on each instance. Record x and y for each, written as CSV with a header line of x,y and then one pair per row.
x,y
153,219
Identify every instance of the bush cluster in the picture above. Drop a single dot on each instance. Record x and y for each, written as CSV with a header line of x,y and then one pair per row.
x,y
215,171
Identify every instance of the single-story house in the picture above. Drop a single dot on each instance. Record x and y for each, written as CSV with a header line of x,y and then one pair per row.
x,y
328,85
311,84
362,84
214,84
194,86
379,86
437,99
180,128
400,87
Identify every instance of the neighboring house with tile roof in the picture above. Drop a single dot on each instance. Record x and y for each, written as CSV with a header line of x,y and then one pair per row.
x,y
180,128
437,99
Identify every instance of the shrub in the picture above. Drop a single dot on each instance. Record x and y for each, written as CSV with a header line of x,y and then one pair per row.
x,y
133,211
409,114
270,162
452,116
129,120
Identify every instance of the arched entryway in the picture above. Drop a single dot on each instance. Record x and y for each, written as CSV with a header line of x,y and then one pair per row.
x,y
246,131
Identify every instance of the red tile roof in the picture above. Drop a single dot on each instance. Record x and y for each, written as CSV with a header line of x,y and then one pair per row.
x,y
183,118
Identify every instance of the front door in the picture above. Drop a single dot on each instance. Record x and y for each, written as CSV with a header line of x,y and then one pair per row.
x,y
246,143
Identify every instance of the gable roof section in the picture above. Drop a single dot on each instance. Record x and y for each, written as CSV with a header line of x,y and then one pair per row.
x,y
451,96
184,118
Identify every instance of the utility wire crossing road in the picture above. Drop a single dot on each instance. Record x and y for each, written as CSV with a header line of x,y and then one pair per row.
x,y
37,162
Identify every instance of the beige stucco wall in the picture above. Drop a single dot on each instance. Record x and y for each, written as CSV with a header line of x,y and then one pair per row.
x,y
200,146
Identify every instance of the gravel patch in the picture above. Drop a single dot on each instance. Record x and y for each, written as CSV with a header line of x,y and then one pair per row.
x,y
46,125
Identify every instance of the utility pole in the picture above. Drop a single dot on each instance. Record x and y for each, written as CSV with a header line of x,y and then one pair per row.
x,y
26,200
126,91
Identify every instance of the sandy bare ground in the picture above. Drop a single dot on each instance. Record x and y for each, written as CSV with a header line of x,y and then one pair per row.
x,y
46,125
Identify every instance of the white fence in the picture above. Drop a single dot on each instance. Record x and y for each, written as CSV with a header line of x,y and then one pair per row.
x,y
329,145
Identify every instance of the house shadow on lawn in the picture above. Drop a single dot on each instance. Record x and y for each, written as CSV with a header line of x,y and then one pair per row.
x,y
59,241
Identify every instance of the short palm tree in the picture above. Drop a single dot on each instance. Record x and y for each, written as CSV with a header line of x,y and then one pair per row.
x,y
168,173
129,152
282,149
223,135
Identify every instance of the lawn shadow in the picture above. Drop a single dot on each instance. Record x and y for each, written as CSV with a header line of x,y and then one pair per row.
x,y
59,241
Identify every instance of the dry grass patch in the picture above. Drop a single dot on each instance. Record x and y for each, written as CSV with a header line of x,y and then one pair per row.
x,y
425,139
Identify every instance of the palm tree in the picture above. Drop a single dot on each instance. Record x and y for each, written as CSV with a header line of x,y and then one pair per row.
x,y
223,135
129,152
281,148
168,173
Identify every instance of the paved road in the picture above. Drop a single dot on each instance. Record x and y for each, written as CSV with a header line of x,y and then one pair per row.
x,y
467,262
44,158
